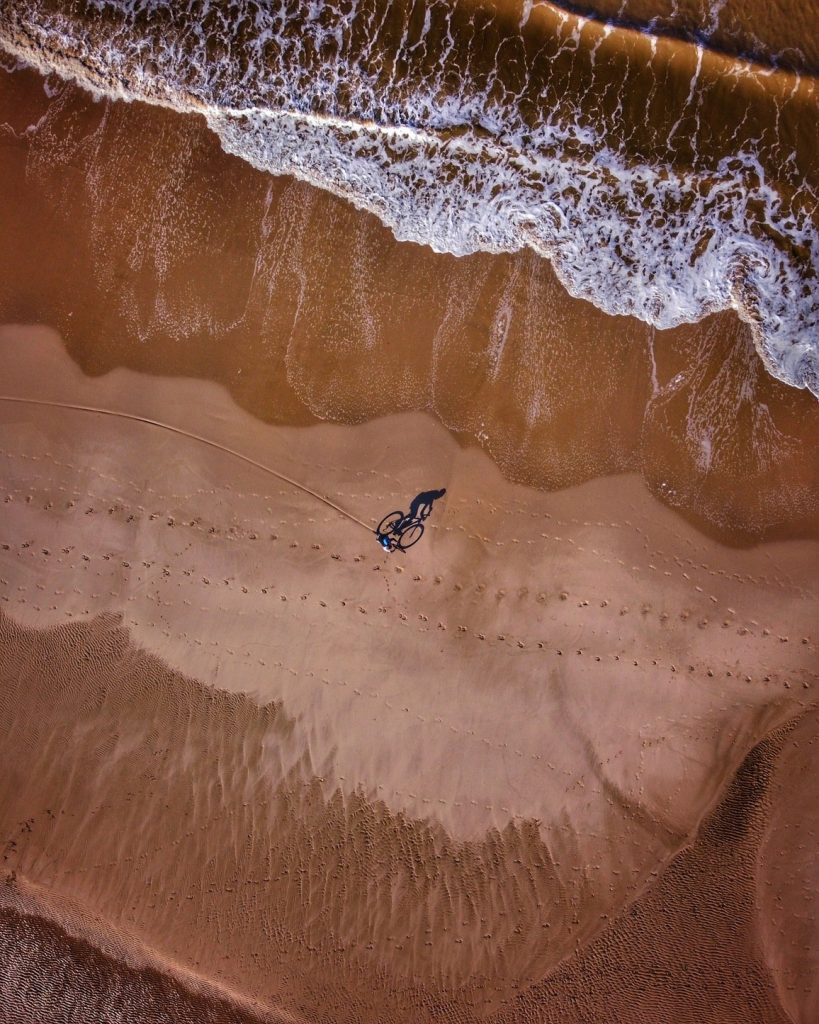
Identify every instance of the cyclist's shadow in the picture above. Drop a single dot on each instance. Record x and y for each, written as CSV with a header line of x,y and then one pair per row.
x,y
399,531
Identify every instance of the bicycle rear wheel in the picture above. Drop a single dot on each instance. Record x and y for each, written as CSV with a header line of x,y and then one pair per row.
x,y
411,535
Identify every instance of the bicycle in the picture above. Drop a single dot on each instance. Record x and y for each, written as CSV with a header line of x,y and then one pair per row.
x,y
398,531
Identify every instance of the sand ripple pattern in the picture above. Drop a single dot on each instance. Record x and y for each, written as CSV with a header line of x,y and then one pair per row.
x,y
663,180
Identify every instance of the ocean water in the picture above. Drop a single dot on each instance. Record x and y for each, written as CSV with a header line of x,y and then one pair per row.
x,y
662,157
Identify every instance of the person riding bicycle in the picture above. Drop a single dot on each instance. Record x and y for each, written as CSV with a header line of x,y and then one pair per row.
x,y
397,530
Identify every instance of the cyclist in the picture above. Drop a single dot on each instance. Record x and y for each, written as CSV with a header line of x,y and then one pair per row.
x,y
397,530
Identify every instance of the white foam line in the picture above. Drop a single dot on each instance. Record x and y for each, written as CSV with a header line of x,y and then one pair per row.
x,y
462,175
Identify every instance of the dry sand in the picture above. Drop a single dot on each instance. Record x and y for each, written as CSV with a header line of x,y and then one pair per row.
x,y
351,786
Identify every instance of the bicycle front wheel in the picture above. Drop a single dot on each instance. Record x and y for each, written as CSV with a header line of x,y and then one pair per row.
x,y
410,536
389,522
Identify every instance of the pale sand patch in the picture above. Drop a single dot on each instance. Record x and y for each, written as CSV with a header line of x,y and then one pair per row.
x,y
584,660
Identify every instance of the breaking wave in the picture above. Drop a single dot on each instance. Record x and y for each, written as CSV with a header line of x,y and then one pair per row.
x,y
662,180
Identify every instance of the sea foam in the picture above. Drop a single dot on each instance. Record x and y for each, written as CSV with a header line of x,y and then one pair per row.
x,y
436,143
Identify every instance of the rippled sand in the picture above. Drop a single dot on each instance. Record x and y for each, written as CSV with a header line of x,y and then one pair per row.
x,y
293,757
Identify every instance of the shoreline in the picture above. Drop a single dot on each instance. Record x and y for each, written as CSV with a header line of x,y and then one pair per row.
x,y
282,293
709,222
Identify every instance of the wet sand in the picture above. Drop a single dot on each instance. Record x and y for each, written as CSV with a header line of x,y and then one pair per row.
x,y
693,948
340,784
688,949
781,34
146,246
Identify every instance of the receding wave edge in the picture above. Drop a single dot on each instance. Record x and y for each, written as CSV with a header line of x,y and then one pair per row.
x,y
472,166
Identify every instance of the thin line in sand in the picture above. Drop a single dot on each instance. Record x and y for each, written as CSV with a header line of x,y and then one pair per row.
x,y
191,436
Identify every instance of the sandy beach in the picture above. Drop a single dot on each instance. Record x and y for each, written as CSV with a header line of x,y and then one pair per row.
x,y
555,764
285,718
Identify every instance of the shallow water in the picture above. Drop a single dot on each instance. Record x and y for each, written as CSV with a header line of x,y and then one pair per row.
x,y
130,231
662,177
